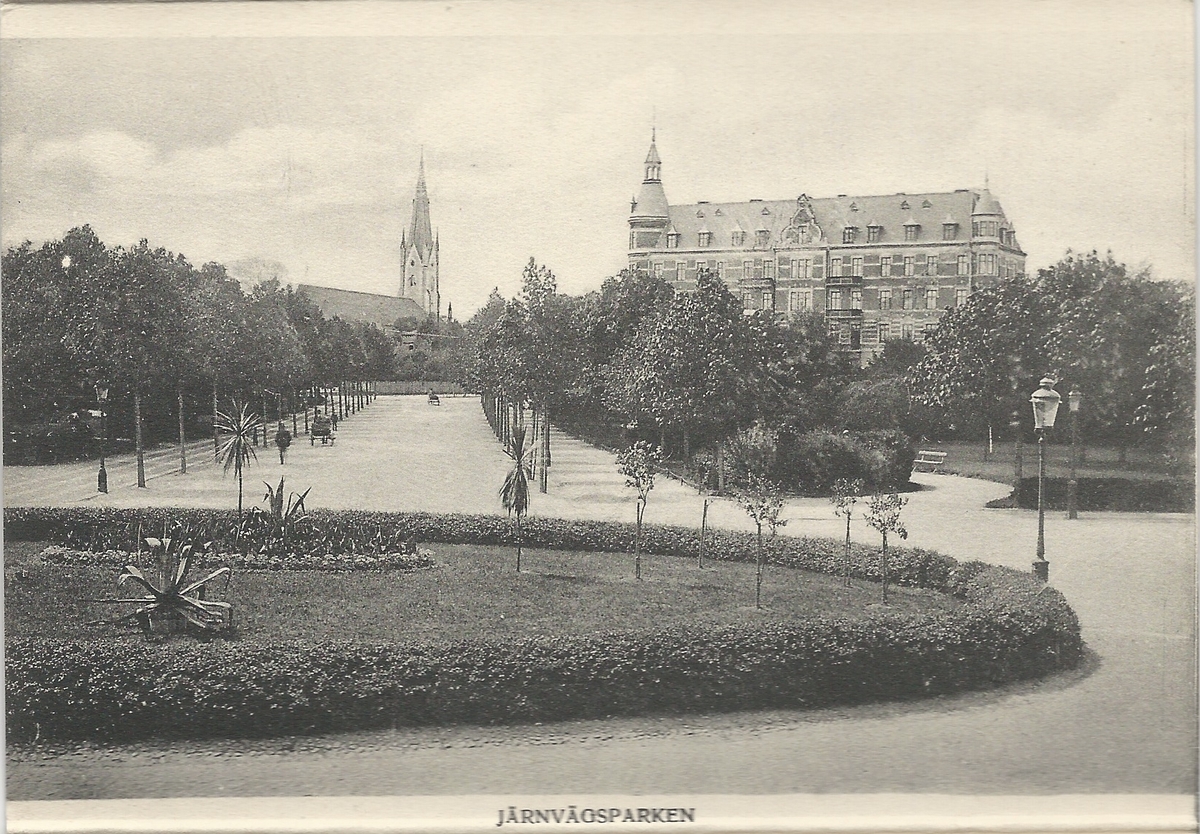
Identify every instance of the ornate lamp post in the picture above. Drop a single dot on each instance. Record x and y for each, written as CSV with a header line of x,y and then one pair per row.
x,y
1073,400
1045,407
101,399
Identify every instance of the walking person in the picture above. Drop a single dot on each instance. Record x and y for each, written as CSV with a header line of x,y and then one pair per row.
x,y
283,439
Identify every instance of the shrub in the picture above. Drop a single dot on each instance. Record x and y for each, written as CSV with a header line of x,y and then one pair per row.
x,y
813,462
1112,494
1010,629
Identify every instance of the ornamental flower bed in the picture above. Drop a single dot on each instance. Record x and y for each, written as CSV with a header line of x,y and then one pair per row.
x,y
423,558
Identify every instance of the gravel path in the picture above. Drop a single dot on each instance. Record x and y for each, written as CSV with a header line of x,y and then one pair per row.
x,y
1126,723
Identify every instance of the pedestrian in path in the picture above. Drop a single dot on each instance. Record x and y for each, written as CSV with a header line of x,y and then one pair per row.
x,y
283,439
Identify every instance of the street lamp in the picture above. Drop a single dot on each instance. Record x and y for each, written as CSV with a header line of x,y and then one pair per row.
x,y
1073,400
101,399
1045,407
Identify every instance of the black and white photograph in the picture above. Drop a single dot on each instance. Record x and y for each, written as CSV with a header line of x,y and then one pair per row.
x,y
489,415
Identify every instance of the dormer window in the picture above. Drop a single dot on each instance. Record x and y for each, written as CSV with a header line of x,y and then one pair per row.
x,y
766,210
848,234
926,204
911,231
672,240
762,237
738,238
904,205
949,231
705,238
874,233
854,207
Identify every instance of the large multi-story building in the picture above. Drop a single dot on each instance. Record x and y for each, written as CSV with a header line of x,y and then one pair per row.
x,y
878,267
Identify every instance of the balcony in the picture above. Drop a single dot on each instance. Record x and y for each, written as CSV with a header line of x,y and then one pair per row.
x,y
844,314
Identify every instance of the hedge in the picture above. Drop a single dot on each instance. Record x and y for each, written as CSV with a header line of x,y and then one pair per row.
x,y
354,532
1010,627
812,462
1112,494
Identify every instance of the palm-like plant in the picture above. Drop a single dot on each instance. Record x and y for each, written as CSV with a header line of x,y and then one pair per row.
x,y
514,493
173,599
236,451
282,516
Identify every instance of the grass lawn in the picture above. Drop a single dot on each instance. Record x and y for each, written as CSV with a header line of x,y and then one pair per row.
x,y
967,458
473,593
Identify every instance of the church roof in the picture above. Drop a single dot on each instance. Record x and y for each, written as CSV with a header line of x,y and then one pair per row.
x,y
832,214
366,307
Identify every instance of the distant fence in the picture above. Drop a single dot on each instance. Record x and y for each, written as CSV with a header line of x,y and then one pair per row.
x,y
418,386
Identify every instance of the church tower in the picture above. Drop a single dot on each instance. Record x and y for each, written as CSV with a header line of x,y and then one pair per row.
x,y
419,248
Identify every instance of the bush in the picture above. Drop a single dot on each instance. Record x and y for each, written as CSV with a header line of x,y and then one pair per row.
x,y
1010,628
1112,494
812,462
354,533
58,555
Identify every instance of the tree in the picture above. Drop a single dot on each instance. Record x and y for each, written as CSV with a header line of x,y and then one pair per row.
x,y
753,452
514,492
762,499
845,496
237,450
883,513
638,463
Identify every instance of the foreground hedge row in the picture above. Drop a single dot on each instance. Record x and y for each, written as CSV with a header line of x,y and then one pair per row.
x,y
356,532
1011,628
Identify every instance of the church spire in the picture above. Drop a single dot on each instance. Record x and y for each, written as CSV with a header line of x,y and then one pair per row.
x,y
420,233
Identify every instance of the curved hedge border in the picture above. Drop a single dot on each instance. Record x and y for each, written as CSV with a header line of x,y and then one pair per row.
x,y
352,532
1010,628
59,555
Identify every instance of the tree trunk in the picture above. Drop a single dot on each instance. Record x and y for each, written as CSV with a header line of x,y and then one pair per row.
x,y
687,451
239,474
883,565
721,469
703,530
182,437
987,448
292,407
846,577
518,542
637,543
759,569
544,452
137,434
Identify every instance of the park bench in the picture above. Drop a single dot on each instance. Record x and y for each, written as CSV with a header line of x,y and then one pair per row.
x,y
933,460
433,399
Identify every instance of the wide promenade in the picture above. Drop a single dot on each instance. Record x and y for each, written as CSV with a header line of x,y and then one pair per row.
x,y
1124,724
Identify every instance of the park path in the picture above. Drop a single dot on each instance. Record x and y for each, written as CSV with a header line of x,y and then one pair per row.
x,y
1126,724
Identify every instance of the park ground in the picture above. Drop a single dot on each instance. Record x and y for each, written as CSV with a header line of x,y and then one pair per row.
x,y
1124,723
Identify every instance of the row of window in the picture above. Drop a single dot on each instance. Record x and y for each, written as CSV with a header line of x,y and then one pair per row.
x,y
920,298
854,336
912,233
853,267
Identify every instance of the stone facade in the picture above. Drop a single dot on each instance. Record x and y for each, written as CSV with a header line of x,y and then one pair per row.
x,y
878,267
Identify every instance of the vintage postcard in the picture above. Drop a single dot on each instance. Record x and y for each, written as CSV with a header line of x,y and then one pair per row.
x,y
517,415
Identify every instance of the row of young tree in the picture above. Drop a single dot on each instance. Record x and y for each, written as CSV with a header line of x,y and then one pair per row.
x,y
166,337
688,370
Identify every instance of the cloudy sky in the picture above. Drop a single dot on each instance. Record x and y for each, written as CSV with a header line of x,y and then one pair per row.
x,y
297,141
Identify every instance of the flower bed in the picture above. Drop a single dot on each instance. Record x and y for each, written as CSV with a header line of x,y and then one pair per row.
x,y
59,555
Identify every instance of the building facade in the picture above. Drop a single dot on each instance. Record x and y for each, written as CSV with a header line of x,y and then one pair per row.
x,y
419,249
878,267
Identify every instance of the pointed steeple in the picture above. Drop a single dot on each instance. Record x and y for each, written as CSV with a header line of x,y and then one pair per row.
x,y
420,233
651,201
653,163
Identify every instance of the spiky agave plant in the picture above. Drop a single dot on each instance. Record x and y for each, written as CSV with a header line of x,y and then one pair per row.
x,y
236,451
172,598
282,516
514,493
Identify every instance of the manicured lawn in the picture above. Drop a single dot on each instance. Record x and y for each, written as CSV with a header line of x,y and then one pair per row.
x,y
473,593
967,458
